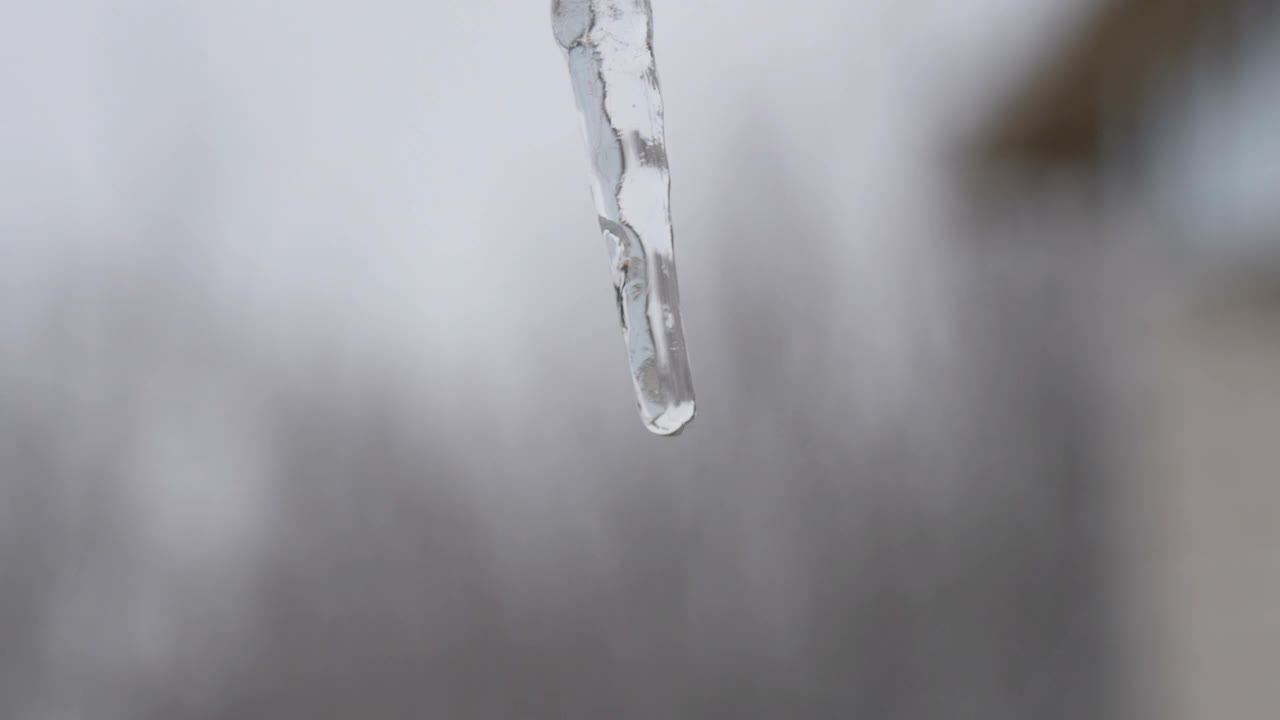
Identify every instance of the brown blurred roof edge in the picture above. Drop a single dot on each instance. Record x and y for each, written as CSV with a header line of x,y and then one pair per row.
x,y
1058,113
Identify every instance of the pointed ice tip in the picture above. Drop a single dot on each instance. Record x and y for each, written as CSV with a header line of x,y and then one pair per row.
x,y
673,420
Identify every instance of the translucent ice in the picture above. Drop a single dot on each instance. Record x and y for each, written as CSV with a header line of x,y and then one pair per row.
x,y
609,46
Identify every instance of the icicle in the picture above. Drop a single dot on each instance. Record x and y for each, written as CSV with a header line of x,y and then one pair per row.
x,y
609,46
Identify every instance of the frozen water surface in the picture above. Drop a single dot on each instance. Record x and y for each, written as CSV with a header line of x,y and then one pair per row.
x,y
609,47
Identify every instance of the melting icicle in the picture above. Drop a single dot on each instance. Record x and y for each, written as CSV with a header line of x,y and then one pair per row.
x,y
609,46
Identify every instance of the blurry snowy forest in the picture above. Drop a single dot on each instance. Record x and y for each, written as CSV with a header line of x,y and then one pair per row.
x,y
313,404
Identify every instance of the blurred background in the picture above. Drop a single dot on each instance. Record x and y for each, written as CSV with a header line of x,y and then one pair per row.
x,y
313,402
